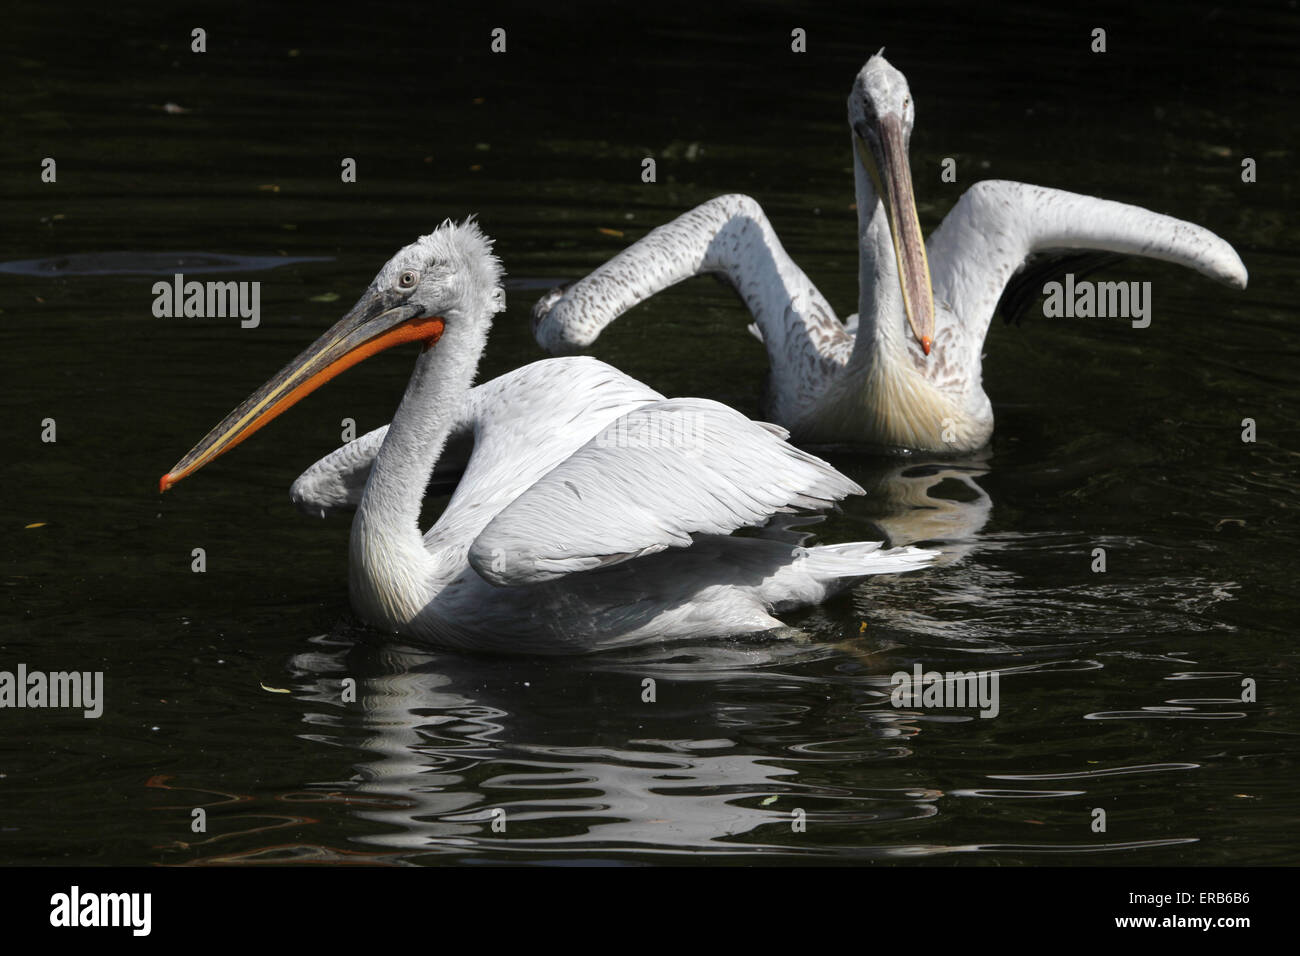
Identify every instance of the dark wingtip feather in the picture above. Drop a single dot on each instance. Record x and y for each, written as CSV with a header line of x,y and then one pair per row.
x,y
1027,285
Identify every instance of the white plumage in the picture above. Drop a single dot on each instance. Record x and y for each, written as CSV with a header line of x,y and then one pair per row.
x,y
870,379
592,511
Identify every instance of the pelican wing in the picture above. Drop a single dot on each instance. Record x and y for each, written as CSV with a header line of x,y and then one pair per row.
x,y
523,424
648,481
731,238
997,226
1026,286
500,423
336,482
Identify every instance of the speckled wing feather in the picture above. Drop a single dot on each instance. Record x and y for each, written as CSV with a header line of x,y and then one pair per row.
x,y
335,483
729,236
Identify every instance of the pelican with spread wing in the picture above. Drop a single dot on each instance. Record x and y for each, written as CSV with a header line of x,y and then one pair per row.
x,y
905,372
592,511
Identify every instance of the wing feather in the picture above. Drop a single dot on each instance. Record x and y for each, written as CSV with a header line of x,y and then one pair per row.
x,y
998,226
651,480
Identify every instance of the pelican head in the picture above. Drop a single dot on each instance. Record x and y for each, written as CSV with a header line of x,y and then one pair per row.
x,y
881,114
446,282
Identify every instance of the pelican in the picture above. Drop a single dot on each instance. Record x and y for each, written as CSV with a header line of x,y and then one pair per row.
x,y
592,512
904,373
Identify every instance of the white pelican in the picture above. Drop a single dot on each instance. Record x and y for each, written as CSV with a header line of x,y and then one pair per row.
x,y
906,375
592,512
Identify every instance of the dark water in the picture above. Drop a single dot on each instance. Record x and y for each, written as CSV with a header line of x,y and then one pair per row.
x,y
1119,690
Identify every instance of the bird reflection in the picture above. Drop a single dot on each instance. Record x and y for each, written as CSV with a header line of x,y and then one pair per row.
x,y
483,757
935,501
486,758
787,746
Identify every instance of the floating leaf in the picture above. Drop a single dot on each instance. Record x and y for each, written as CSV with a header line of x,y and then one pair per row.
x,y
617,233
36,524
275,690
325,297
769,801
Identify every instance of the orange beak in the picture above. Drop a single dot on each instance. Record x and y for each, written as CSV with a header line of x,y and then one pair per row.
x,y
354,338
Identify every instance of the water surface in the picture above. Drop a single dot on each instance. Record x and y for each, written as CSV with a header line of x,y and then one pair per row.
x,y
1120,690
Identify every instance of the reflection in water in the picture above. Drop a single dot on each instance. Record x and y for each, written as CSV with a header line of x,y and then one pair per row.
x,y
461,739
150,263
466,754
942,505
937,502
786,746
454,744
1106,437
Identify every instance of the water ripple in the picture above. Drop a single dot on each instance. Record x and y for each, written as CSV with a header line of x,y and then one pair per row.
x,y
1099,772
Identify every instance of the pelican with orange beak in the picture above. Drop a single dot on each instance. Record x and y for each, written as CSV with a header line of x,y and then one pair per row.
x,y
592,512
904,372
376,322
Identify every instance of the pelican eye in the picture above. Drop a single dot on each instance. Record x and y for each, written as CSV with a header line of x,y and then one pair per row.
x,y
408,279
